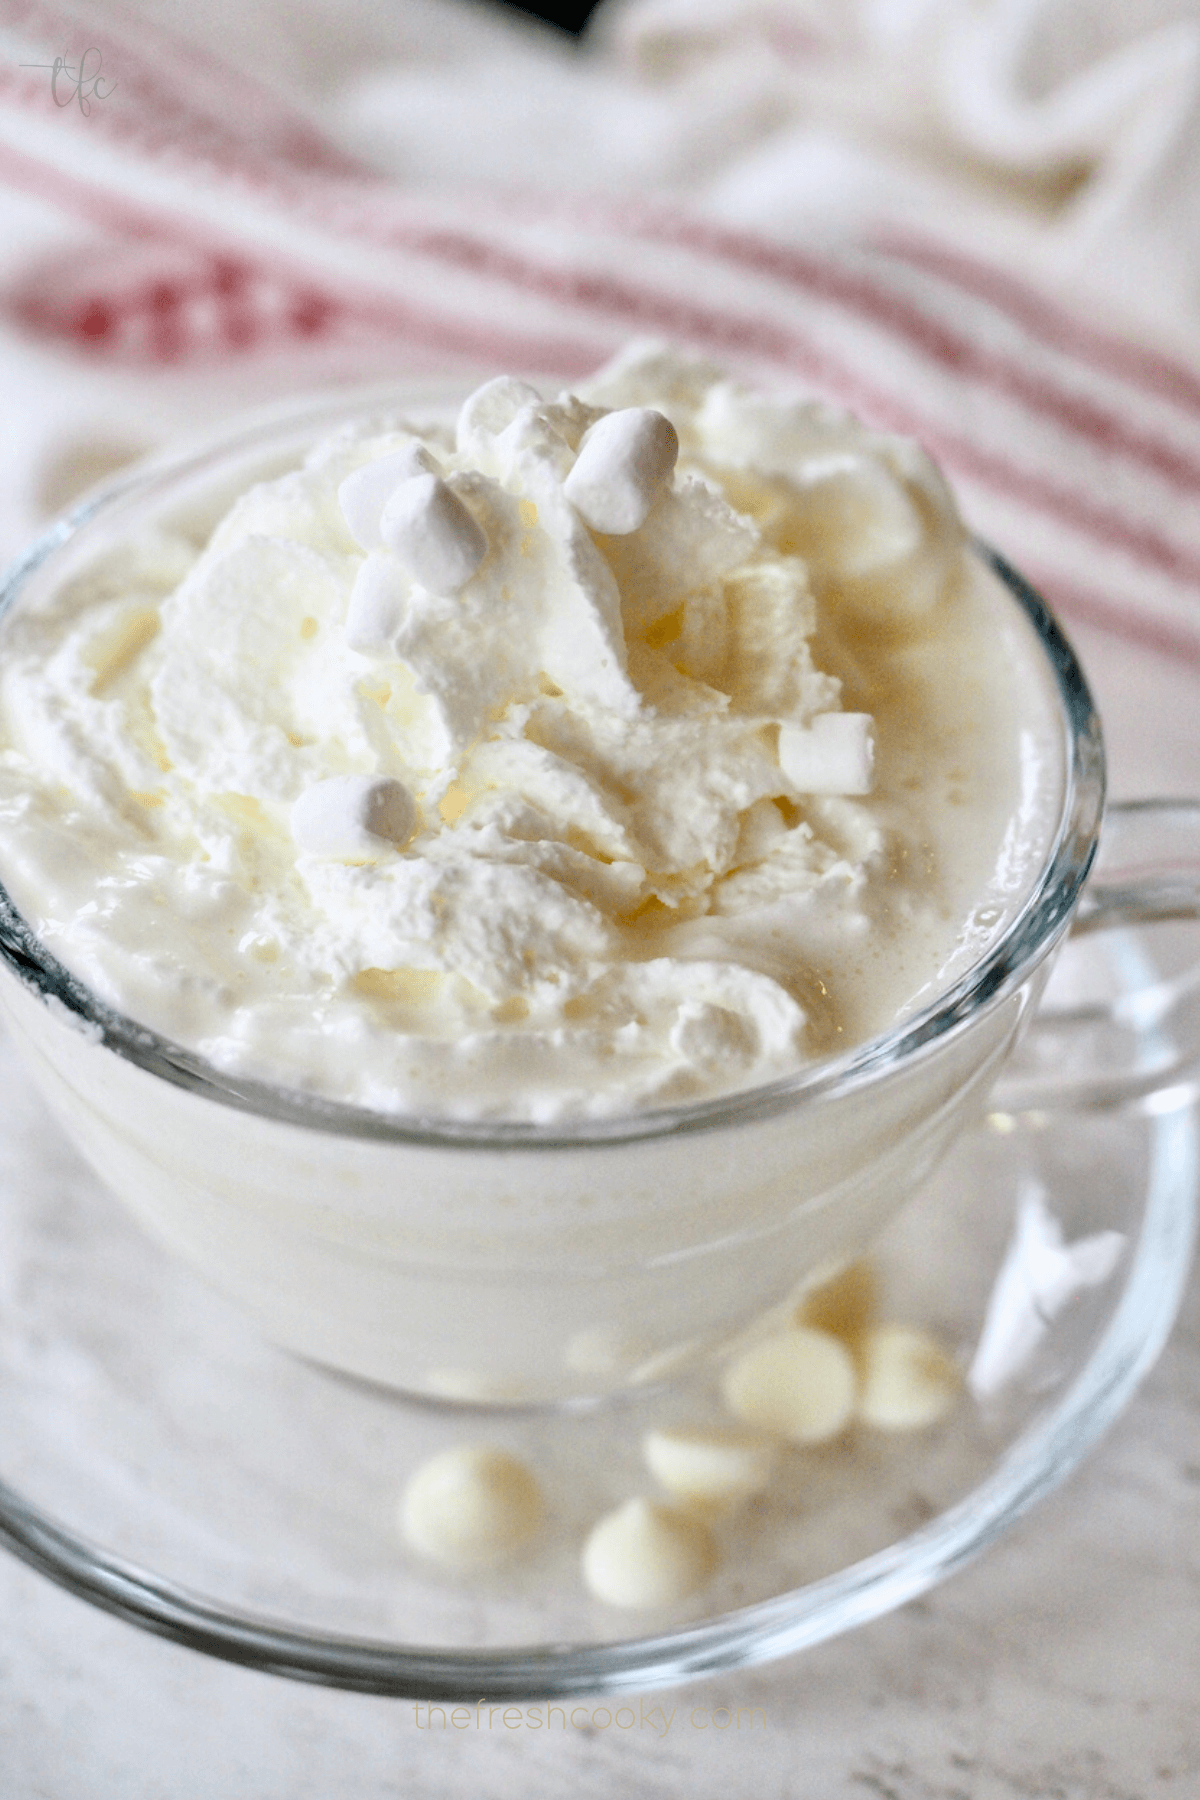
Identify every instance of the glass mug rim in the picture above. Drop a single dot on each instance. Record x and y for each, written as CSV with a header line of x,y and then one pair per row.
x,y
1026,940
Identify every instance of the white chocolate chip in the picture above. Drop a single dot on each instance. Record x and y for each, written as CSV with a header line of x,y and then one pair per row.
x,y
364,494
909,1379
800,1385
354,818
434,533
471,1506
378,606
644,1555
625,460
712,1467
833,755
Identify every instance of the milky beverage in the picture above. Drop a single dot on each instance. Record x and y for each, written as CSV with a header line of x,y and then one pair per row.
x,y
517,780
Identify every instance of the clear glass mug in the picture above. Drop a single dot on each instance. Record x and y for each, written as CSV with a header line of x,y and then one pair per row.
x,y
511,1263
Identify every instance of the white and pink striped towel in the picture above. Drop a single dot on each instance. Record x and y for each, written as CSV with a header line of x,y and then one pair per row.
x,y
225,245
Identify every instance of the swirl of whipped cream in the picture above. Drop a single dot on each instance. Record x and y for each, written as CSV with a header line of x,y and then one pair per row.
x,y
631,847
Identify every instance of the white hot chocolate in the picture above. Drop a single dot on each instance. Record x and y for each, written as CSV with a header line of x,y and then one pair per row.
x,y
591,755
541,777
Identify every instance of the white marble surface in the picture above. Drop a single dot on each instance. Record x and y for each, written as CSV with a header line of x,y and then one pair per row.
x,y
1063,1666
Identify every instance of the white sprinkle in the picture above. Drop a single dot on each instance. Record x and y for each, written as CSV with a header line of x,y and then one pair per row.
x,y
645,1555
801,1385
624,462
471,1506
354,818
435,534
833,755
364,494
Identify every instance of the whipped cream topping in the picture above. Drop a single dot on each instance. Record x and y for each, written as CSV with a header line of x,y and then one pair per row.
x,y
491,772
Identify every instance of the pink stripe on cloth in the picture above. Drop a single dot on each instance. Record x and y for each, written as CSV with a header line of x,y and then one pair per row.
x,y
1073,436
1046,321
41,304
774,341
862,291
1118,619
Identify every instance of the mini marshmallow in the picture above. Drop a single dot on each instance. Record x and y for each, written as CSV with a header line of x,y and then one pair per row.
x,y
378,605
833,755
364,494
435,534
625,460
644,1555
801,1385
354,818
909,1379
471,1507
710,1468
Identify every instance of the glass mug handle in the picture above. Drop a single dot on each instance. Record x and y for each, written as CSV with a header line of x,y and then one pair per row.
x,y
1120,1021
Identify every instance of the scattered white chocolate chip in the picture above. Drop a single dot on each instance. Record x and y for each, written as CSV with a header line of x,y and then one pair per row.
x,y
710,1467
354,818
471,1506
908,1379
364,493
800,1385
845,1304
625,460
644,1555
434,533
833,755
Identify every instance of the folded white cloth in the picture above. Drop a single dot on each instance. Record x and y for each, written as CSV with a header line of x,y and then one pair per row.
x,y
1067,129
236,236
